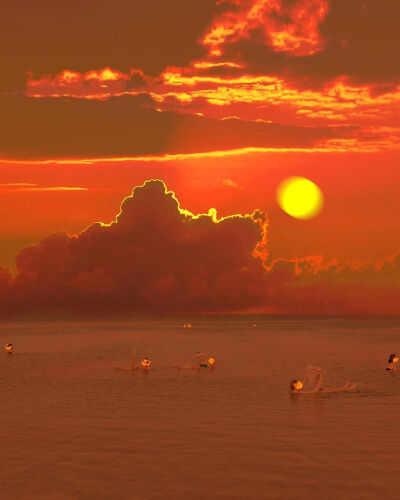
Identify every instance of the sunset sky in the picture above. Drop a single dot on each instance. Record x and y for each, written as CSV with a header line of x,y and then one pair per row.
x,y
221,100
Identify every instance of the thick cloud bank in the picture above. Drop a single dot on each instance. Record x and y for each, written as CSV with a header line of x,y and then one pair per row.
x,y
153,257
130,126
156,257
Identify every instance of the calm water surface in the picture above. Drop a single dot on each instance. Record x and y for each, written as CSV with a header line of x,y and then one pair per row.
x,y
73,428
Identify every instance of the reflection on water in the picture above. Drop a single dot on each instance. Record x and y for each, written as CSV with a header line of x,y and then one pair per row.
x,y
74,428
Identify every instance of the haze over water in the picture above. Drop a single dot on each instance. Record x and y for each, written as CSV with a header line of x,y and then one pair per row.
x,y
73,428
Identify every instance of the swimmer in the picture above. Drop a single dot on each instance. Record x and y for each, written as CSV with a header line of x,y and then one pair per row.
x,y
254,325
391,364
314,374
133,367
9,348
145,364
200,363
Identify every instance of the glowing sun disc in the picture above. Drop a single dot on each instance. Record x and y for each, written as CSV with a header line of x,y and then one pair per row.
x,y
300,197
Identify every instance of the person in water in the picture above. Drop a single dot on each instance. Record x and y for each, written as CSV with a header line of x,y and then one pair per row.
x,y
314,374
9,348
201,362
144,364
391,364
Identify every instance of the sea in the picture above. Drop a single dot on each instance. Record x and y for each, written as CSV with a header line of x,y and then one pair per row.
x,y
74,427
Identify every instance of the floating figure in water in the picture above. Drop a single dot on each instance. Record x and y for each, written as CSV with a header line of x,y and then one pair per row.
x,y
189,325
200,362
9,348
144,364
184,325
391,364
254,325
314,374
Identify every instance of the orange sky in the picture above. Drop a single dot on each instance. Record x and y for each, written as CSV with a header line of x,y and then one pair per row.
x,y
221,101
357,221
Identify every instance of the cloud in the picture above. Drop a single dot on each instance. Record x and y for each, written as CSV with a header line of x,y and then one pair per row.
x,y
208,89
313,285
154,256
312,41
317,41
267,98
285,26
130,126
31,187
157,257
91,85
308,63
80,36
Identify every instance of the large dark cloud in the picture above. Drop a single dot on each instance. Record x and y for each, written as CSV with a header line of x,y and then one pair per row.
x,y
359,42
129,126
152,257
156,257
47,36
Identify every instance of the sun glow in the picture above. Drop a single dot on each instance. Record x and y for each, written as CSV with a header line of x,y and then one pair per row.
x,y
300,197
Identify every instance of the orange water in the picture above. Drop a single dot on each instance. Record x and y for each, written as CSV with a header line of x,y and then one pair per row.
x,y
73,428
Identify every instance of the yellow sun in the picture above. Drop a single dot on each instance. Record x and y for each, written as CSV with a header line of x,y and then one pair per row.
x,y
300,197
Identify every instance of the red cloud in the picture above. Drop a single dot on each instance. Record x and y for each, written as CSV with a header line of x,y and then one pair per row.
x,y
286,26
157,257
100,84
154,256
297,62
310,42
